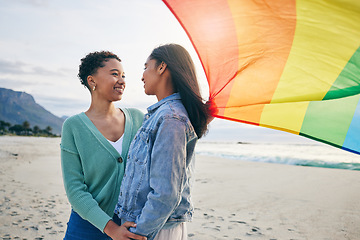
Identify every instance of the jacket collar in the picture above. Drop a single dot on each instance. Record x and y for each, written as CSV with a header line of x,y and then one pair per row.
x,y
175,96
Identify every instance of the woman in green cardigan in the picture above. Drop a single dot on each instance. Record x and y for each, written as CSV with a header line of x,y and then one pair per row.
x,y
94,148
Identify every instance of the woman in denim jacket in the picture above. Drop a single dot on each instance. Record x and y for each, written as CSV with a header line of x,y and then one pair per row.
x,y
155,192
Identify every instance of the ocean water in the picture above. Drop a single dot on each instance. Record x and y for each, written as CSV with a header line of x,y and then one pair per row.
x,y
302,154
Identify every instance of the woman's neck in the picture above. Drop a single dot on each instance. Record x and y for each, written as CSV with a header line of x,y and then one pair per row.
x,y
164,95
101,109
165,86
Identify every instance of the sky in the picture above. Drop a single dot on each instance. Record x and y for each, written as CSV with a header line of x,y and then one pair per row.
x,y
42,42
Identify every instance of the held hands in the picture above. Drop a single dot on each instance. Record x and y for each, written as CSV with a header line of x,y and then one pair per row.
x,y
125,229
122,232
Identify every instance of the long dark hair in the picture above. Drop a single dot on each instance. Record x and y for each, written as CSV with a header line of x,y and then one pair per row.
x,y
184,80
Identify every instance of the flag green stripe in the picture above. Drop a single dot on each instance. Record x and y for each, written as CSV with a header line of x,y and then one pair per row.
x,y
348,82
330,119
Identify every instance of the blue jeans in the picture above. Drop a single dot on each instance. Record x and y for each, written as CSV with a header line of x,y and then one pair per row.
x,y
80,229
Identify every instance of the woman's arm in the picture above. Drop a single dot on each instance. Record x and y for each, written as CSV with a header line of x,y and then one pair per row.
x,y
73,177
85,205
76,190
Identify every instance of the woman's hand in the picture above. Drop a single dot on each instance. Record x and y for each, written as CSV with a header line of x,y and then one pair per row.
x,y
122,232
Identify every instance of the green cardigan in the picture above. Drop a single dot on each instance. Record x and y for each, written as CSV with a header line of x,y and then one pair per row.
x,y
92,168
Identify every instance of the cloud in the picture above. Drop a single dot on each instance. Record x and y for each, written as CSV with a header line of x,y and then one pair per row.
x,y
21,68
38,70
12,83
36,3
60,105
11,67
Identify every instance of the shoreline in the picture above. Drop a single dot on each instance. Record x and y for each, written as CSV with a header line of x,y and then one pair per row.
x,y
315,154
233,199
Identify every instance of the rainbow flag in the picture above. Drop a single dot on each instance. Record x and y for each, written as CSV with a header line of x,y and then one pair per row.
x,y
290,65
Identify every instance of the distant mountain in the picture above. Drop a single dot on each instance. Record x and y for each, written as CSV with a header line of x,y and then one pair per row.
x,y
17,107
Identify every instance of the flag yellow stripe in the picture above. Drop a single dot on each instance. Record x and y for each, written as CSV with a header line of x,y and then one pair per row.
x,y
284,116
326,36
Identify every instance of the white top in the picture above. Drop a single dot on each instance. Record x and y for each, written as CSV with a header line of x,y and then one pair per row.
x,y
118,144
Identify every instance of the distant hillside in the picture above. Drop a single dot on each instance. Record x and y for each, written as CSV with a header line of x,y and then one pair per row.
x,y
17,107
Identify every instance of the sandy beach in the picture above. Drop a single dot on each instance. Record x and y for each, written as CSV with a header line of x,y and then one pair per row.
x,y
233,199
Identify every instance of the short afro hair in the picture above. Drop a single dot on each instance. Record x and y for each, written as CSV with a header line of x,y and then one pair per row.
x,y
92,62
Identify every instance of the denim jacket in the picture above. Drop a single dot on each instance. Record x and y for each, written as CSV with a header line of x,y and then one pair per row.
x,y
155,191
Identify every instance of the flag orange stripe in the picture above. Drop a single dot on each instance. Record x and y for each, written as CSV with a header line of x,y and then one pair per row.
x,y
265,40
216,48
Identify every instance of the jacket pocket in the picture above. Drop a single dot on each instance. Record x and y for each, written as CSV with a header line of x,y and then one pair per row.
x,y
141,148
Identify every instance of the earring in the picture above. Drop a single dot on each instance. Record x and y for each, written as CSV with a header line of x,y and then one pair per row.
x,y
94,87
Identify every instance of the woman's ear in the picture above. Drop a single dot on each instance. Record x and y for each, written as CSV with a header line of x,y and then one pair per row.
x,y
90,81
162,67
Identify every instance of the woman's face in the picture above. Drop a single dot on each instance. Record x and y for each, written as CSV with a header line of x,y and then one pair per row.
x,y
150,77
110,80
